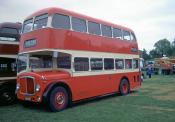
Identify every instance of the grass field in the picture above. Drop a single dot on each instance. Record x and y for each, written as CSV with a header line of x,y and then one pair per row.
x,y
154,102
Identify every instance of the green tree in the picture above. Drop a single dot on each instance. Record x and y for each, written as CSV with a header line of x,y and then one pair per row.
x,y
173,48
154,54
163,47
144,54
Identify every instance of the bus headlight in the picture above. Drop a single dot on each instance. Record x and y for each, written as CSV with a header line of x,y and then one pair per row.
x,y
37,89
17,86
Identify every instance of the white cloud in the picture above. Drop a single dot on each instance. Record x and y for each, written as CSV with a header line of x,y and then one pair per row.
x,y
151,20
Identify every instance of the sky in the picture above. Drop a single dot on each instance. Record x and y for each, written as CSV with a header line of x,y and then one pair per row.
x,y
151,20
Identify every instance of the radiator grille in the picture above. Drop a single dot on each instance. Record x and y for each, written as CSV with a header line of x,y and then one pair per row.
x,y
27,85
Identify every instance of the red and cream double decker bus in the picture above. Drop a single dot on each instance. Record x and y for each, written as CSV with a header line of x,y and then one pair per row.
x,y
9,46
65,57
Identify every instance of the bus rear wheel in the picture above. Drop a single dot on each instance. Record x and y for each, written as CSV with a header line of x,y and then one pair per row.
x,y
124,87
58,100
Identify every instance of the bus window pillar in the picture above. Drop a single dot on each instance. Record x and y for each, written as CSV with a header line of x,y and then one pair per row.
x,y
103,64
89,64
54,59
54,63
72,64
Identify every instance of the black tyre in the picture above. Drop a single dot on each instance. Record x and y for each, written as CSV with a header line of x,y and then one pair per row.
x,y
58,99
7,96
124,87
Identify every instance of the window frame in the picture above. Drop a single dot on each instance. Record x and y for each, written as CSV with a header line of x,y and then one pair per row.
x,y
134,37
105,66
40,17
115,28
6,30
130,64
41,59
67,55
96,69
100,34
123,62
81,70
69,17
124,35
137,60
25,23
81,20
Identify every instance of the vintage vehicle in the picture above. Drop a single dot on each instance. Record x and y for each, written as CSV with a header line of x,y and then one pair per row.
x,y
9,45
66,57
164,65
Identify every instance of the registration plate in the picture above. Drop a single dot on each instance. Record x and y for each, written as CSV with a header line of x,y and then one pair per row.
x,y
27,98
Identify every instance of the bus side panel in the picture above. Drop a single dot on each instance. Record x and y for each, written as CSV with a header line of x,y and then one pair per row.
x,y
134,80
8,49
91,86
70,40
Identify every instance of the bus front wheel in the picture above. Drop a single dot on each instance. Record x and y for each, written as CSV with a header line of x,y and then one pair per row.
x,y
124,87
58,100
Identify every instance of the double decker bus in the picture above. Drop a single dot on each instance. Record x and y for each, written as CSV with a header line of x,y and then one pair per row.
x,y
66,57
9,45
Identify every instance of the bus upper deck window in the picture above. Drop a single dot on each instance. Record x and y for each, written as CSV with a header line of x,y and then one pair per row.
x,y
28,24
133,38
117,33
61,21
94,28
106,31
40,21
126,35
79,24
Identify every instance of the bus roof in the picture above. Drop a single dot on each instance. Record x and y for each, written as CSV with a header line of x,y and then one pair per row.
x,y
8,33
52,10
10,25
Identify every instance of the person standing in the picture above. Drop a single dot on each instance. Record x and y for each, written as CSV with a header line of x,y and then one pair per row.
x,y
149,71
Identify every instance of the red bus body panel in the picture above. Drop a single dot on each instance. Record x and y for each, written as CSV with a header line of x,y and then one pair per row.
x,y
69,40
9,49
82,86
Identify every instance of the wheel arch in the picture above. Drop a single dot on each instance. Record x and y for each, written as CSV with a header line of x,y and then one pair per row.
x,y
126,78
51,86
